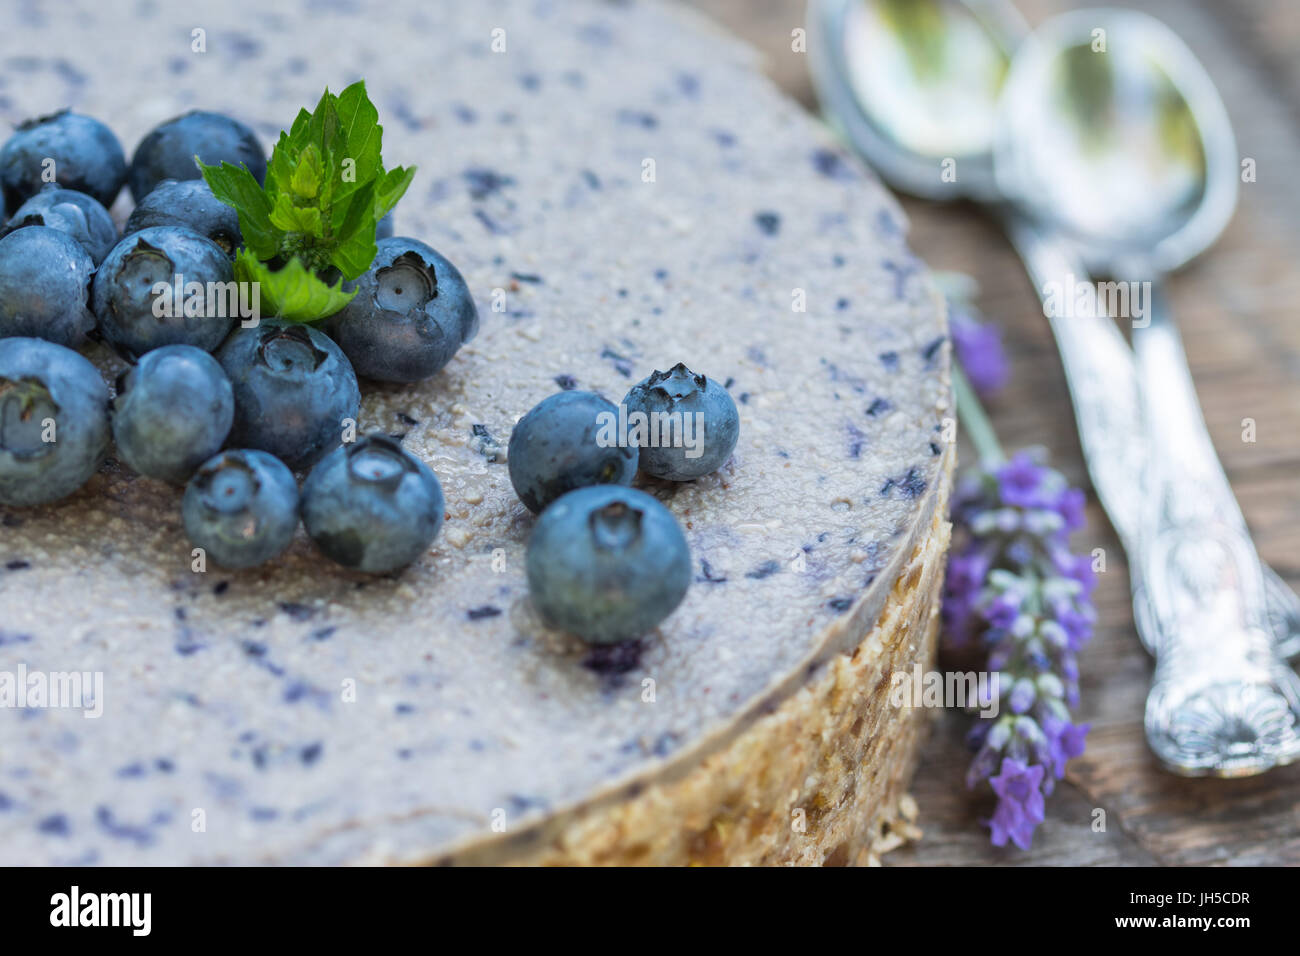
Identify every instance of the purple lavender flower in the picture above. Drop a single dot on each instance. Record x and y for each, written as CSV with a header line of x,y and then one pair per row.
x,y
1076,567
1004,609
979,349
1021,697
1021,483
1065,741
965,579
1070,507
1020,803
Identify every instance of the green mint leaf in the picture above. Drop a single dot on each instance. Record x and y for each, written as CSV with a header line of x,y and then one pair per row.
x,y
390,187
323,124
297,136
359,137
237,187
290,218
355,245
305,182
353,213
293,293
354,257
279,168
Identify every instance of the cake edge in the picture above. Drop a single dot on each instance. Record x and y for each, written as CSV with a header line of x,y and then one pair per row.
x,y
837,749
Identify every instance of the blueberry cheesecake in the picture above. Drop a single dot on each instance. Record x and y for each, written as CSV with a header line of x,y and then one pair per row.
x,y
470,629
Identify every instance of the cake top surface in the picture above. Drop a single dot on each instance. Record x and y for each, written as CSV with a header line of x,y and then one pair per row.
x,y
622,191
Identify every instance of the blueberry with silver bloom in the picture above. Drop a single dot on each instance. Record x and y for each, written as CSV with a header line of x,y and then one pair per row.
x,y
607,564
81,152
700,408
412,311
172,412
45,280
81,216
53,421
295,391
168,151
558,447
189,203
372,506
135,318
241,508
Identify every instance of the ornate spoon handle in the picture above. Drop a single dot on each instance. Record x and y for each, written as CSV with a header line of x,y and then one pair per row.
x,y
1222,702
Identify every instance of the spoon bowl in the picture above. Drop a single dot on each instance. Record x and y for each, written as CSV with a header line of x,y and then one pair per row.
x,y
1113,135
915,84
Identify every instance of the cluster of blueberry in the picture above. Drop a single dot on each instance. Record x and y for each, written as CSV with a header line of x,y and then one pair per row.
x,y
605,561
276,395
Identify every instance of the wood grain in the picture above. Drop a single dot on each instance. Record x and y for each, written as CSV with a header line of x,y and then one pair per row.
x,y
1237,309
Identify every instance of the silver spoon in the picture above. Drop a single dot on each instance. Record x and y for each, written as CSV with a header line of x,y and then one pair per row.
x,y
1113,135
925,52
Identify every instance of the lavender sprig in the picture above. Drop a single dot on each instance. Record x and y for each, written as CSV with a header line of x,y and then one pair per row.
x,y
1016,591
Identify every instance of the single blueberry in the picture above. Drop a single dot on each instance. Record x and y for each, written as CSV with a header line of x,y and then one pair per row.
x,y
81,216
189,203
166,285
168,151
372,505
54,428
690,423
384,228
81,153
295,391
569,440
173,412
241,508
412,311
607,563
45,280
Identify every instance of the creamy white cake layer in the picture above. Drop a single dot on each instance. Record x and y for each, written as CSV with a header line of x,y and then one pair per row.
x,y
306,714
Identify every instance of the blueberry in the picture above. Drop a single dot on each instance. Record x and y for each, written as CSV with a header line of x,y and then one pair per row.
x,y
53,421
189,203
607,564
45,279
557,447
168,151
173,412
134,318
82,217
691,423
294,389
372,506
81,153
412,311
384,228
241,508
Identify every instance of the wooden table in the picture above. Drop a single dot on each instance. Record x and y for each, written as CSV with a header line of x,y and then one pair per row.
x,y
1239,311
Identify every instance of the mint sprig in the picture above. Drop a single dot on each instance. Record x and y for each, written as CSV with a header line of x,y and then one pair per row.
x,y
312,225
291,292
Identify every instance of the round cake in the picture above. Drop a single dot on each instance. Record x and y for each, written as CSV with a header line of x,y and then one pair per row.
x,y
622,191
